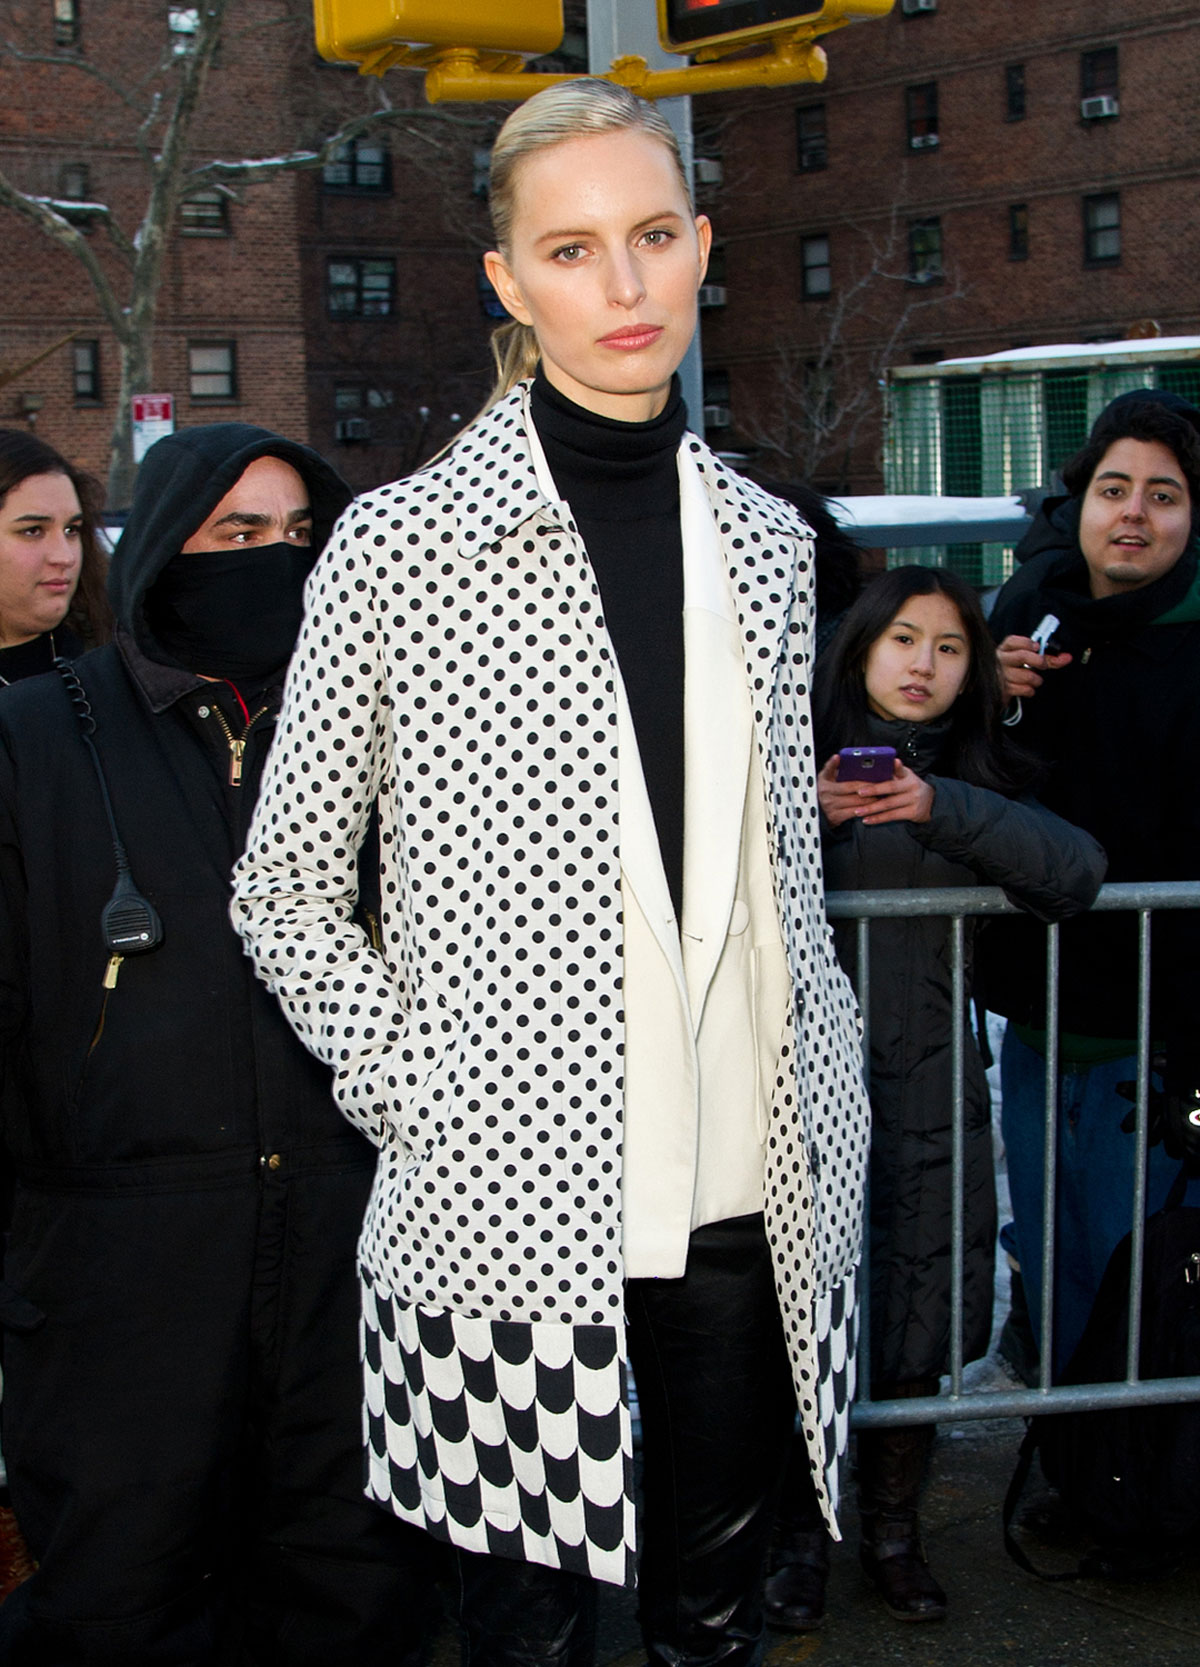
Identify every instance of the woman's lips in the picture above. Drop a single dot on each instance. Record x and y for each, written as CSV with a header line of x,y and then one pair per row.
x,y
913,691
632,337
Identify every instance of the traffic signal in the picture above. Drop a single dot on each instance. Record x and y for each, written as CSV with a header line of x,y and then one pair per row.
x,y
689,25
350,30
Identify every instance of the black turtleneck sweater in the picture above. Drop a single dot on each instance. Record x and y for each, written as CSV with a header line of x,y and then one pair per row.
x,y
622,484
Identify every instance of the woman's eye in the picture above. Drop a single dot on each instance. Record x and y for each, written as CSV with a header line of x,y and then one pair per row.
x,y
658,236
568,253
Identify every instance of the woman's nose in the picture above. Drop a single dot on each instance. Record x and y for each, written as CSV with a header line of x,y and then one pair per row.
x,y
625,280
61,551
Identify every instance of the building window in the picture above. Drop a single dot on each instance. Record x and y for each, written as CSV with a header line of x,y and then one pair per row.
x,y
360,165
85,368
66,22
361,288
212,370
812,142
204,214
183,25
924,251
1102,229
921,107
716,398
817,279
1098,72
1018,231
1014,93
347,396
74,182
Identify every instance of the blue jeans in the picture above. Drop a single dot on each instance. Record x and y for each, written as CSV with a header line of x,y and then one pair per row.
x,y
1094,1206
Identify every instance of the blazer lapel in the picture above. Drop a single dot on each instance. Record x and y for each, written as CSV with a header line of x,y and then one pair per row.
x,y
718,731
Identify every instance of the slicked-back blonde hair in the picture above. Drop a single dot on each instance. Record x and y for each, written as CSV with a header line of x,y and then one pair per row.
x,y
569,110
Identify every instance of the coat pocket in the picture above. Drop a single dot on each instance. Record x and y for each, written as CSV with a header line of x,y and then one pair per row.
x,y
404,1088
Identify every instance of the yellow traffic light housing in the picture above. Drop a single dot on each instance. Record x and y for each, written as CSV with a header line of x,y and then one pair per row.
x,y
711,28
352,31
476,49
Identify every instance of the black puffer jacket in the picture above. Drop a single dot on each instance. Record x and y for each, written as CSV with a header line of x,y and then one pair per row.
x,y
974,837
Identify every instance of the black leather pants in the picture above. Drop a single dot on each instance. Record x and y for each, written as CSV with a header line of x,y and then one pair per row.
x,y
717,1410
516,1614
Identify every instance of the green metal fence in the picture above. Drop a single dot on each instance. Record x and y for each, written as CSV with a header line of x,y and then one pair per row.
x,y
986,427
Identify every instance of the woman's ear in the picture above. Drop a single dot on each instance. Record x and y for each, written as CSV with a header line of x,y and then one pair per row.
x,y
505,286
704,238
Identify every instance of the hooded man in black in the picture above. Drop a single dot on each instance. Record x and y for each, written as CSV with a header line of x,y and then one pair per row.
x,y
181,1413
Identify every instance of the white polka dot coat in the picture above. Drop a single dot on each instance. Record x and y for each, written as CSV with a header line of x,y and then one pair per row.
x,y
454,670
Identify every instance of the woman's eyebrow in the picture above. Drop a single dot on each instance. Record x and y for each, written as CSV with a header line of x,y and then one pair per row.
x,y
587,231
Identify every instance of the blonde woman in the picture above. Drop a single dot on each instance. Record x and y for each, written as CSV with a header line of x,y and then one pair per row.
x,y
605,1050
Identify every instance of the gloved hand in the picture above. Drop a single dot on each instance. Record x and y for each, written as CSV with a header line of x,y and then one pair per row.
x,y
1174,1112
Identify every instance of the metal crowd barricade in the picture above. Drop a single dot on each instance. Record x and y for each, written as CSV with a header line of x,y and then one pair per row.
x,y
958,904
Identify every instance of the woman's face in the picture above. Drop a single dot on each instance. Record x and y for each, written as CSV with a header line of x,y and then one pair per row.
x,y
40,555
605,261
917,667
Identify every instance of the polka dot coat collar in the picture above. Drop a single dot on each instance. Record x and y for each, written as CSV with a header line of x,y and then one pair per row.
x,y
454,669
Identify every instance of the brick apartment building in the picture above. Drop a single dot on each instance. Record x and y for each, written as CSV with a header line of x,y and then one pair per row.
x,y
341,306
971,177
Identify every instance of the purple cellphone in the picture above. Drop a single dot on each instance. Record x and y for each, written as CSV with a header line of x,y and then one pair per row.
x,y
866,763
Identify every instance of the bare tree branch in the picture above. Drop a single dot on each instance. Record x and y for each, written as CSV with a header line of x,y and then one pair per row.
x,y
67,236
84,66
823,388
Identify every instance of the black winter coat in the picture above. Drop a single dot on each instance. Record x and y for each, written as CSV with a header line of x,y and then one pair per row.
x,y
185,1071
1119,730
973,837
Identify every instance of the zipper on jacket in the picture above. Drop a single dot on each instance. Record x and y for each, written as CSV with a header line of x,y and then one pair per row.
x,y
237,743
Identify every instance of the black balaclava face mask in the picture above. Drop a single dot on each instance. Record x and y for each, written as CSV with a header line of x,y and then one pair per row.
x,y
230,613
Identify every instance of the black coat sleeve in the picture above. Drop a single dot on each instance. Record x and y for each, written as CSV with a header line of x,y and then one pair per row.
x,y
13,950
1045,865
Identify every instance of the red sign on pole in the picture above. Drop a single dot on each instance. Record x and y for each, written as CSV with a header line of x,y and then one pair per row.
x,y
153,417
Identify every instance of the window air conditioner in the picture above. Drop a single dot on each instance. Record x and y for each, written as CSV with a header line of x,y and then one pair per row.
x,y
709,170
911,7
924,141
716,416
352,430
1102,104
712,295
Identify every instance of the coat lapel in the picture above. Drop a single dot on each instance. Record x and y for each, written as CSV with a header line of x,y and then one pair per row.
x,y
718,735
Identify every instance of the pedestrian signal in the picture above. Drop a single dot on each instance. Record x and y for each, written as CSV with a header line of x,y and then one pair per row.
x,y
351,30
689,25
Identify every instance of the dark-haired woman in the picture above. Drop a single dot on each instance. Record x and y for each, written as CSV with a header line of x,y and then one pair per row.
x,y
51,569
912,667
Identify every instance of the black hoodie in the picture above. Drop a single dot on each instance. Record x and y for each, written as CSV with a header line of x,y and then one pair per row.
x,y
181,481
186,1065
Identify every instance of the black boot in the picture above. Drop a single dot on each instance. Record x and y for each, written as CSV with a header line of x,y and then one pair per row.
x,y
891,1469
794,1596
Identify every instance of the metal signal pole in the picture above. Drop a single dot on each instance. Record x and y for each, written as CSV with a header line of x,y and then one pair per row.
x,y
616,29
